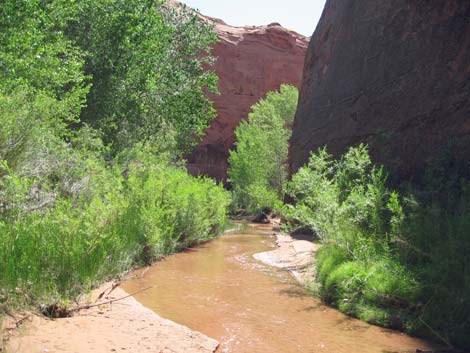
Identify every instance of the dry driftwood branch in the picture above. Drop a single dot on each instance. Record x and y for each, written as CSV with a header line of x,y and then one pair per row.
x,y
20,321
89,306
111,289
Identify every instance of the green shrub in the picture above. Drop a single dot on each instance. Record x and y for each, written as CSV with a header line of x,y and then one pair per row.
x,y
398,259
389,280
345,283
57,252
328,258
374,314
58,249
176,210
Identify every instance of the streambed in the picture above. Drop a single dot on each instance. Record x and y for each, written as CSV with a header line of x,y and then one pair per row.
x,y
219,289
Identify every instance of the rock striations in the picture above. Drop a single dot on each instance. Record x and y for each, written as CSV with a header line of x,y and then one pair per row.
x,y
251,62
391,73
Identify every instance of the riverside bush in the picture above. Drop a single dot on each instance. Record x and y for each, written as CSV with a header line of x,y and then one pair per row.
x,y
175,210
394,258
57,252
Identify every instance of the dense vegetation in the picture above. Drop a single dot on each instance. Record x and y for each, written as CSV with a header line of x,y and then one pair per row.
x,y
99,99
258,167
395,258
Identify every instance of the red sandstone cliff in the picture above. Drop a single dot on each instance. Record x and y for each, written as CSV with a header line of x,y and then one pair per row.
x,y
392,73
251,62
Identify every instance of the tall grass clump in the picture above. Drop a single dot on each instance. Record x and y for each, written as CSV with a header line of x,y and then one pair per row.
x,y
395,258
54,252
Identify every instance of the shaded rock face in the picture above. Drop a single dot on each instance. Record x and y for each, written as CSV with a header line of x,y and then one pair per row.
x,y
392,73
251,62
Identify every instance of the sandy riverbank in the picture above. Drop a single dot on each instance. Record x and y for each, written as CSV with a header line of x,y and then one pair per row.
x,y
123,326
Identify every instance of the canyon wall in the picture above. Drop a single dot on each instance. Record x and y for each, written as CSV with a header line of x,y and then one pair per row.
x,y
251,62
392,73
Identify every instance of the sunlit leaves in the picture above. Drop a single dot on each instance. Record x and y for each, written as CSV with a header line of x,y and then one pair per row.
x,y
257,168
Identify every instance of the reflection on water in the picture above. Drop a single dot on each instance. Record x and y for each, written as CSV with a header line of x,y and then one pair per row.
x,y
221,291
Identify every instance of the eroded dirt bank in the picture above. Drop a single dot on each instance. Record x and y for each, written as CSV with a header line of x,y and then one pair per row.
x,y
123,326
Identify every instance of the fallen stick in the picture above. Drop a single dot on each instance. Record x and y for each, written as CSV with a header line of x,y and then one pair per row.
x,y
8,312
89,306
18,323
113,287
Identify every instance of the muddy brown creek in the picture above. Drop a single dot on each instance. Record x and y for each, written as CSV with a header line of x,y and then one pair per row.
x,y
220,290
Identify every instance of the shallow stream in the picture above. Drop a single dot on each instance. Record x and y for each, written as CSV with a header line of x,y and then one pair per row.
x,y
220,290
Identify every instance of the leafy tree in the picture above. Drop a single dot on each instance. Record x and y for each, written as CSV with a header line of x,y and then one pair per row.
x,y
38,63
148,62
257,168
145,61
